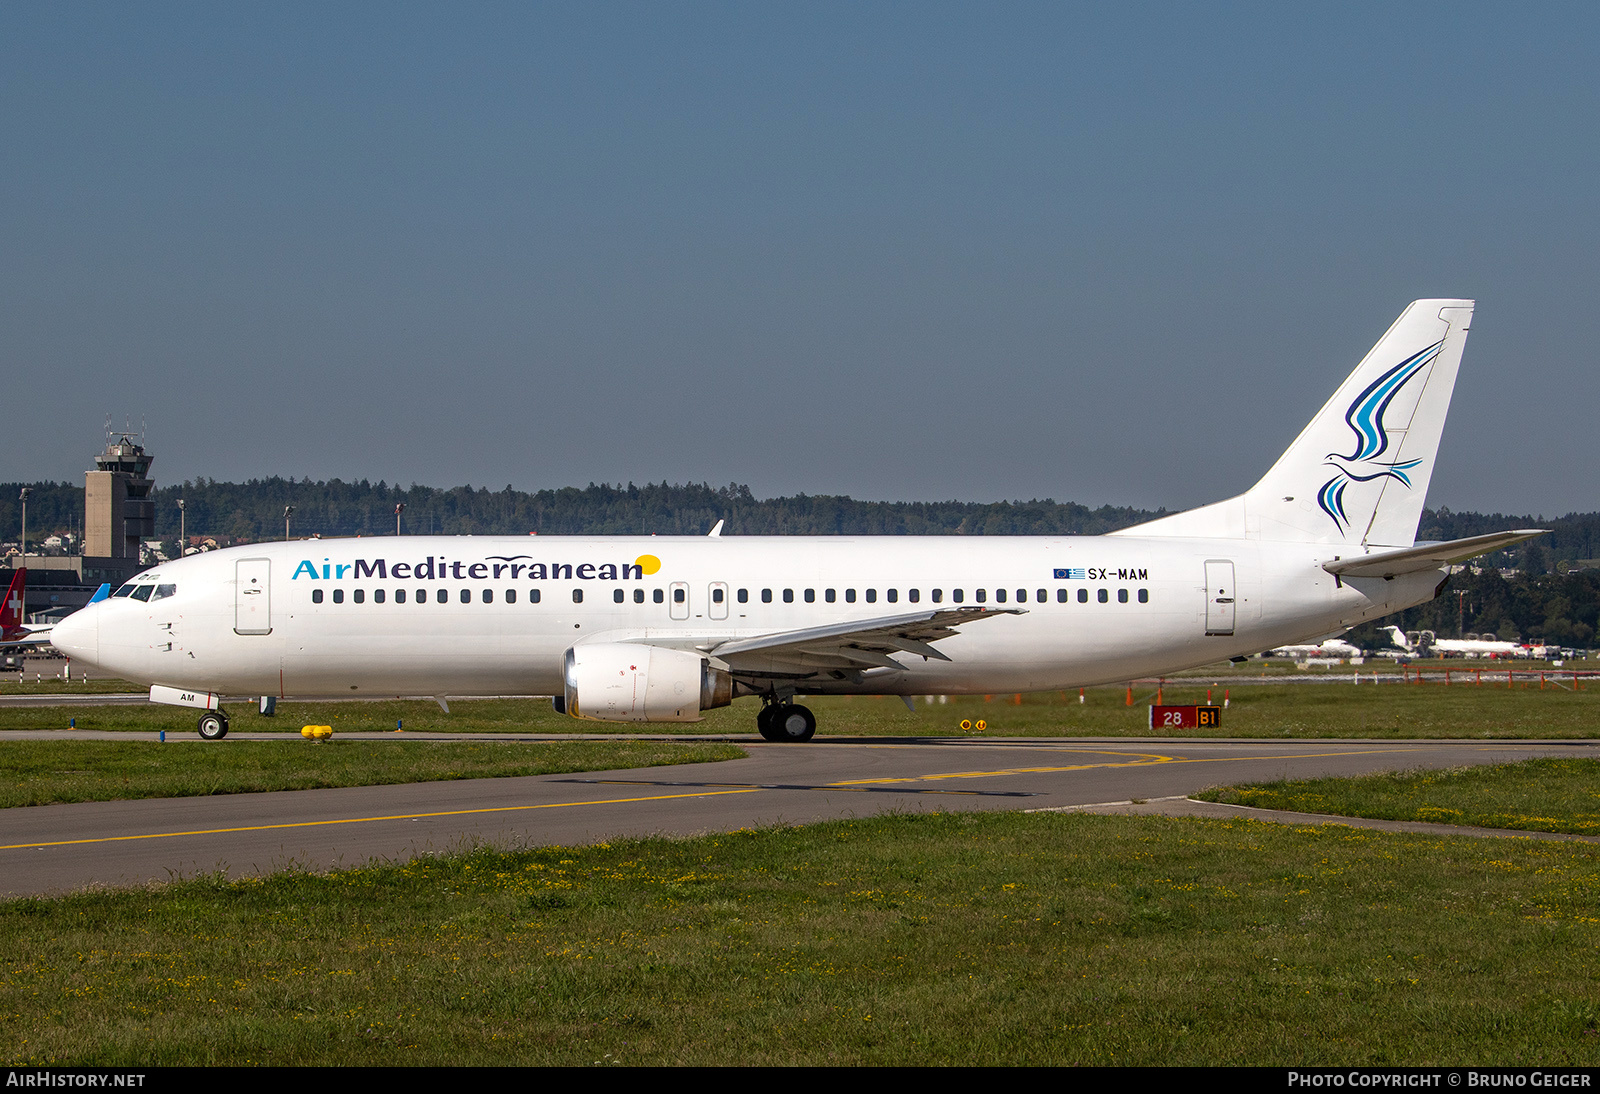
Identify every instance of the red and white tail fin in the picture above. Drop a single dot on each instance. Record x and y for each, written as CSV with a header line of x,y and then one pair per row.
x,y
11,608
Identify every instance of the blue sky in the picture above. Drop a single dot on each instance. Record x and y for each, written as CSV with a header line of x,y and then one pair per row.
x,y
1103,253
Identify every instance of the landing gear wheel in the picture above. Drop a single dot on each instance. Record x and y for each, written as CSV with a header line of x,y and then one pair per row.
x,y
765,724
791,722
213,725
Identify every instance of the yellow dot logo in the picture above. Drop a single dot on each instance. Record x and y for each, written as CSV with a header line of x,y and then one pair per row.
x,y
648,564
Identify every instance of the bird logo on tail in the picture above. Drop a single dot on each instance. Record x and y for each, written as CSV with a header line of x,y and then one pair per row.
x,y
1365,418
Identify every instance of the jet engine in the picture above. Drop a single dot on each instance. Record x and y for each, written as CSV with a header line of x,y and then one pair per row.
x,y
628,682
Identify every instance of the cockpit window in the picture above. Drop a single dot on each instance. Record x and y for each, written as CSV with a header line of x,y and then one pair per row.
x,y
164,591
143,592
124,591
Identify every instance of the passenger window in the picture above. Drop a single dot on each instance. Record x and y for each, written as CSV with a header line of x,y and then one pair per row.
x,y
1102,596
1083,596
638,596
766,596
811,596
511,596
399,596
957,596
872,596
938,596
744,596
982,595
716,596
1022,595
338,596
1061,595
466,596
533,596
442,596
1122,596
788,596
913,596
577,596
617,596
1144,596
422,595
316,596
678,596
829,595
658,596
1042,596
126,590
999,596
359,596
892,596
378,596
849,596
488,596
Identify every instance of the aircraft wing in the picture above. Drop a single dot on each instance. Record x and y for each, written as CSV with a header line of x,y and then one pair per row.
x,y
865,642
1428,556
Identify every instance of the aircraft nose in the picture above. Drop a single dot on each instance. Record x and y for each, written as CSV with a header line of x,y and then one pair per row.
x,y
78,635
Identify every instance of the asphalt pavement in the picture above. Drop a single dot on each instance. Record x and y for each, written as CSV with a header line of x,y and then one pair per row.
x,y
59,848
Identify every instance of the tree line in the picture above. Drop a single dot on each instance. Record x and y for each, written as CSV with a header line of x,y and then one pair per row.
x,y
253,511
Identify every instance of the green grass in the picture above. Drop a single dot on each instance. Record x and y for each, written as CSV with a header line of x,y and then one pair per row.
x,y
1543,795
43,772
993,938
51,684
1391,710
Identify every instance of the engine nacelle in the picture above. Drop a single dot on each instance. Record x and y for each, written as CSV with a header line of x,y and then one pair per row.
x,y
629,682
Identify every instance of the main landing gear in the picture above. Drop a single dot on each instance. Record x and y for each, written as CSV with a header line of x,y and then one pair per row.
x,y
213,725
785,721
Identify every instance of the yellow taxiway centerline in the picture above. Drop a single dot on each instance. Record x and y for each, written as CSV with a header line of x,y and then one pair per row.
x,y
1146,759
1139,759
368,820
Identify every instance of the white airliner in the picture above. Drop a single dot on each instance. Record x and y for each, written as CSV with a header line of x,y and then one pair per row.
x,y
1331,647
1466,647
660,629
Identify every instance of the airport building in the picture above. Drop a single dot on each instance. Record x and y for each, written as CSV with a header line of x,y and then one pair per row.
x,y
118,515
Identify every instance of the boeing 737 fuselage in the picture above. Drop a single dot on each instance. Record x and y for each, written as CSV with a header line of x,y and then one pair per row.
x,y
641,629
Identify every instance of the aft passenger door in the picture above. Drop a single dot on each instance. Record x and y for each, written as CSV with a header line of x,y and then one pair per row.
x,y
1220,596
252,596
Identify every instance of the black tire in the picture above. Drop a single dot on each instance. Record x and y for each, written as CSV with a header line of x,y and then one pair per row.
x,y
793,723
213,725
764,723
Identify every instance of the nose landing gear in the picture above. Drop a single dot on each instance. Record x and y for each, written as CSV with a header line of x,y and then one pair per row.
x,y
213,725
785,721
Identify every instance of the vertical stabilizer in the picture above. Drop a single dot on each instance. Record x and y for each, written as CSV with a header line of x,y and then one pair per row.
x,y
1359,472
11,608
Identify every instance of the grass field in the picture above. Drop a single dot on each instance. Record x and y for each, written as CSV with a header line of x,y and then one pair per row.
x,y
932,939
1390,710
1543,795
43,772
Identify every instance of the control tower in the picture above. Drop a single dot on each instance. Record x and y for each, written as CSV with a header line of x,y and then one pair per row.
x,y
118,513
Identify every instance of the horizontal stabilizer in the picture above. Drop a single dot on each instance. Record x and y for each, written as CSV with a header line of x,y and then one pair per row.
x,y
1429,556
